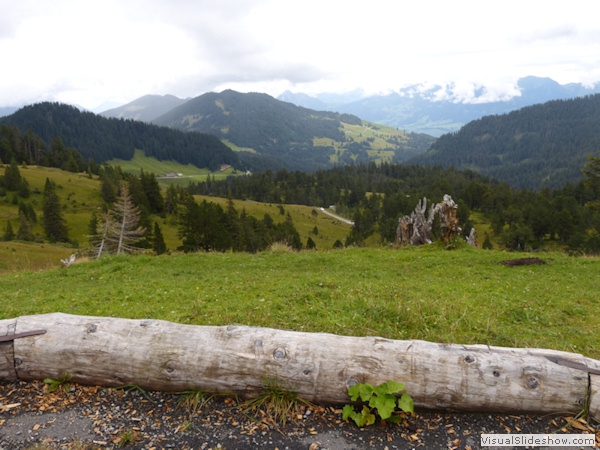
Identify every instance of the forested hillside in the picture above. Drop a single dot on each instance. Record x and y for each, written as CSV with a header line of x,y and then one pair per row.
x,y
376,196
277,134
540,145
103,139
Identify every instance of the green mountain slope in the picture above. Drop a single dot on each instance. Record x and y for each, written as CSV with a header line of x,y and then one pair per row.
x,y
540,145
104,139
285,135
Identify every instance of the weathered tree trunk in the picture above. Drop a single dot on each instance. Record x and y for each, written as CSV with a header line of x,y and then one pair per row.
x,y
448,222
320,367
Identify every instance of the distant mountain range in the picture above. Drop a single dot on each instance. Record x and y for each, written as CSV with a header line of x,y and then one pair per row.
x,y
419,109
433,110
264,132
146,108
7,110
545,144
272,134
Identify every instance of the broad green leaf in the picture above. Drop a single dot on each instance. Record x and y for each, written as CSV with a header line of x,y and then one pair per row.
x,y
368,418
390,387
362,390
385,405
348,409
406,403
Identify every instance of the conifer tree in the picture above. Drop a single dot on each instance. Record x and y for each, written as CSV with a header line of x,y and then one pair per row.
x,y
12,176
156,202
158,243
25,232
54,223
9,234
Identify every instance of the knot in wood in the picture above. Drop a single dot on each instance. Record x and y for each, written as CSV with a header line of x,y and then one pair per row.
x,y
533,383
279,353
496,373
469,359
18,361
170,370
91,328
352,382
258,343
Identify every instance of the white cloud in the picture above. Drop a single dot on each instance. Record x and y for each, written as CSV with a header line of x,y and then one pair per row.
x,y
96,51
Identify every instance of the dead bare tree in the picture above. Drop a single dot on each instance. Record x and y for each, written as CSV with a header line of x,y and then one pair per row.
x,y
120,227
448,221
472,238
416,228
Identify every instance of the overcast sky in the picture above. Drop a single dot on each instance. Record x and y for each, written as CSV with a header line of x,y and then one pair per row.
x,y
88,52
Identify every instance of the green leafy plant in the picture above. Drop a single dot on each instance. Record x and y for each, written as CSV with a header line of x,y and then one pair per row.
x,y
381,399
54,385
277,401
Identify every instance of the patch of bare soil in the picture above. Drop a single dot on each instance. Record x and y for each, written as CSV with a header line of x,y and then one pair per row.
x,y
523,262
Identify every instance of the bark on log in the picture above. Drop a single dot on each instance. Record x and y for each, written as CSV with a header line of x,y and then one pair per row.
x,y
320,367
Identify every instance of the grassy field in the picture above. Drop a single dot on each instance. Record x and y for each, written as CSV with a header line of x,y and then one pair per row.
x,y
462,296
159,168
80,196
380,149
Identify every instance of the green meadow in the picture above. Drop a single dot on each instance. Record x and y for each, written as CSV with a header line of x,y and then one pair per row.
x,y
460,296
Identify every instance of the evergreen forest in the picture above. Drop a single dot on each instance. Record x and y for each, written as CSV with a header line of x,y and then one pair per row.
x,y
541,145
100,139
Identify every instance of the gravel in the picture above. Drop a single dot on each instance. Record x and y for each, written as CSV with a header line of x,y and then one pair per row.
x,y
82,417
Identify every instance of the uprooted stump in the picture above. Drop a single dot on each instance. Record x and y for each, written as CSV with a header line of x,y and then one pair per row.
x,y
523,262
319,367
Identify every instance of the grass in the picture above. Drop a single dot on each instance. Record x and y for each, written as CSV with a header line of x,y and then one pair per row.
x,y
377,135
80,197
462,296
276,401
17,257
159,168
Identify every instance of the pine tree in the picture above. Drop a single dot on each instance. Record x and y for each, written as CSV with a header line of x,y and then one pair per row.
x,y
12,176
9,234
93,235
591,171
158,243
54,224
25,232
153,193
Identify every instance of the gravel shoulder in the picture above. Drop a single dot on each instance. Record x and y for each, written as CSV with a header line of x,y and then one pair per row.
x,y
88,417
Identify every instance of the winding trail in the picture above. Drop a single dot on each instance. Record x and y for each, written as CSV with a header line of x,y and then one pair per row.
x,y
341,219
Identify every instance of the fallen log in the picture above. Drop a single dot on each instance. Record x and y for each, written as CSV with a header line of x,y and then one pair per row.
x,y
319,367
